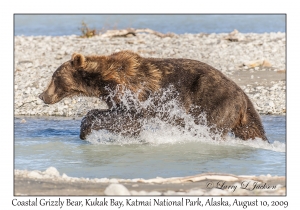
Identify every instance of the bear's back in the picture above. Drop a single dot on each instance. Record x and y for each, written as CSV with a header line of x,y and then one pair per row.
x,y
185,72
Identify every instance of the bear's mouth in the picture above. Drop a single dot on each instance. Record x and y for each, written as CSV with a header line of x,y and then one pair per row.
x,y
54,98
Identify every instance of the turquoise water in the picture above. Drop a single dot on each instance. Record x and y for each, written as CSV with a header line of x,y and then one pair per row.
x,y
58,25
44,142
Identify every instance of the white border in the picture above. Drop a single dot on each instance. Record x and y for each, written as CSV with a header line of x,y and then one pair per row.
x,y
153,6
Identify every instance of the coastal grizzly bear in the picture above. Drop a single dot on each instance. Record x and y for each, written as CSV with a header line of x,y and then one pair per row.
x,y
197,86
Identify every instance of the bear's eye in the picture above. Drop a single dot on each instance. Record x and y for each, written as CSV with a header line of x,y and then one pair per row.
x,y
55,80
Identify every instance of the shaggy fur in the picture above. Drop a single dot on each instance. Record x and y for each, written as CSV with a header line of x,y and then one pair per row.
x,y
197,86
118,121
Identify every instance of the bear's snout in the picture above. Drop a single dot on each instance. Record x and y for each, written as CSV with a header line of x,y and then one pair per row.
x,y
41,96
45,98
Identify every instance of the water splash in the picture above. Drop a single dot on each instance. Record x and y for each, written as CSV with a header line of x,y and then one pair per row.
x,y
169,125
164,133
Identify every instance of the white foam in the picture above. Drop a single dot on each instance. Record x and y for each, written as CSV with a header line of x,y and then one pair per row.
x,y
156,131
168,134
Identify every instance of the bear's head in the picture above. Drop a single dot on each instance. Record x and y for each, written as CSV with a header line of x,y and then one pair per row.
x,y
107,77
77,76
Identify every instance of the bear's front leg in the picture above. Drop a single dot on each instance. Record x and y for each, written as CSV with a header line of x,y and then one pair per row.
x,y
118,121
88,122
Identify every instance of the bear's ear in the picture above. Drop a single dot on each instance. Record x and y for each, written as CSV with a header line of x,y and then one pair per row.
x,y
78,60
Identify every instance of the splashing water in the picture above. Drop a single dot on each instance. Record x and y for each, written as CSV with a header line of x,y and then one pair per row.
x,y
169,125
162,133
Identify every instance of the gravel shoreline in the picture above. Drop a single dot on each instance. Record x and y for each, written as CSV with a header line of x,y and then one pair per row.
x,y
256,62
50,182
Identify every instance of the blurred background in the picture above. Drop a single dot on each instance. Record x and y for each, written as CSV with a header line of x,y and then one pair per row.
x,y
58,25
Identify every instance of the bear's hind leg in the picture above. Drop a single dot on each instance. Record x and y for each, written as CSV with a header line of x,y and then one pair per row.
x,y
248,131
251,128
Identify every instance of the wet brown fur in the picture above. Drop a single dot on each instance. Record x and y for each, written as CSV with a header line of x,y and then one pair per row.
x,y
199,85
117,121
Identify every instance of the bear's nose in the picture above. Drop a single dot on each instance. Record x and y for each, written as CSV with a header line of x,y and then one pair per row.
x,y
41,96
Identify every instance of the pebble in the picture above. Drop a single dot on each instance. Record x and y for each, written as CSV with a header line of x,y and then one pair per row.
x,y
116,189
38,57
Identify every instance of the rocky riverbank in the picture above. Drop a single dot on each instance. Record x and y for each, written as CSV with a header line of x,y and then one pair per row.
x,y
254,61
50,182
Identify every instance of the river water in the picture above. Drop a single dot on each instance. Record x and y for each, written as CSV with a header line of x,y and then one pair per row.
x,y
54,141
58,25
